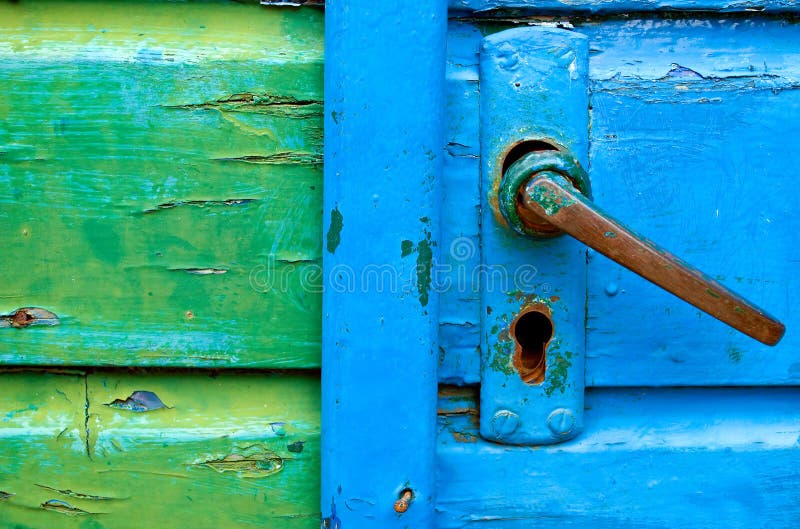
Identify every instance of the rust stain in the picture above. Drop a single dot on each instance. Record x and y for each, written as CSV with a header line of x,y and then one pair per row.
x,y
404,501
457,411
531,364
28,316
464,437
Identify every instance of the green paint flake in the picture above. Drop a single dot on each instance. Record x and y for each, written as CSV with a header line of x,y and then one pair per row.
x,y
335,230
501,359
549,200
424,266
610,235
557,372
712,293
734,354
406,248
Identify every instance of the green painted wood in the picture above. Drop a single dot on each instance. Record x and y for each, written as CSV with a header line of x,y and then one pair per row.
x,y
160,183
231,450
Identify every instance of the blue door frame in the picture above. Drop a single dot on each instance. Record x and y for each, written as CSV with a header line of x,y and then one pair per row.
x,y
387,97
384,106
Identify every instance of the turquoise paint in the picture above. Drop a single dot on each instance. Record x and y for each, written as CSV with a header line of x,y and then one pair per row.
x,y
537,62
687,195
384,101
626,6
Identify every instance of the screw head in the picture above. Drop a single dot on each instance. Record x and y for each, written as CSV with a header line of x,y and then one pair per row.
x,y
504,423
561,422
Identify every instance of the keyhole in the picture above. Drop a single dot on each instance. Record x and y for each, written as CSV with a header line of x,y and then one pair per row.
x,y
532,331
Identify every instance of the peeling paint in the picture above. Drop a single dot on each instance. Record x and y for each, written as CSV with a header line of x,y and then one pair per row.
x,y
278,158
139,402
550,202
250,462
332,521
200,204
27,317
734,354
334,236
406,248
557,371
424,265
64,508
267,104
79,495
201,271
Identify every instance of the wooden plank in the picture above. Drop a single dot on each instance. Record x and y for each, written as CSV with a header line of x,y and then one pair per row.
x,y
625,6
647,458
724,119
384,89
223,451
161,171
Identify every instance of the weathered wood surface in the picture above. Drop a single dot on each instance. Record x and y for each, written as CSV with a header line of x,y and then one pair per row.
x,y
693,144
626,6
160,183
648,458
189,450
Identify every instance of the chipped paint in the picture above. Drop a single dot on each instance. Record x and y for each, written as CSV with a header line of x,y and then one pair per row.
x,y
79,495
406,248
200,204
201,271
550,202
27,317
735,354
557,375
424,265
279,158
253,461
63,507
334,236
296,447
139,402
190,137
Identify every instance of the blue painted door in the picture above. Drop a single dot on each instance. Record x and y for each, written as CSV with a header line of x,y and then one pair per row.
x,y
691,136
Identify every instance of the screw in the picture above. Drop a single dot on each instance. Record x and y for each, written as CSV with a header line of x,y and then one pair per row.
x,y
406,497
561,422
504,423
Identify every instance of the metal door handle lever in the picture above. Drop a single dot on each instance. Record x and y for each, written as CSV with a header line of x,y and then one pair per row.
x,y
545,193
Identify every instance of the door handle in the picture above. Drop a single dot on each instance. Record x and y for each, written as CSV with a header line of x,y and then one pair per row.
x,y
546,193
534,137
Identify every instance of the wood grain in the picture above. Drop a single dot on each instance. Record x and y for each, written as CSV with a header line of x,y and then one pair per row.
x,y
114,467
161,183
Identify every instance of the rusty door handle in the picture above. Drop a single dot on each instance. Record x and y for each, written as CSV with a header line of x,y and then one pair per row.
x,y
545,193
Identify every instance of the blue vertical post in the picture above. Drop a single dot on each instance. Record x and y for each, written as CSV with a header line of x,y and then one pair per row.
x,y
384,102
